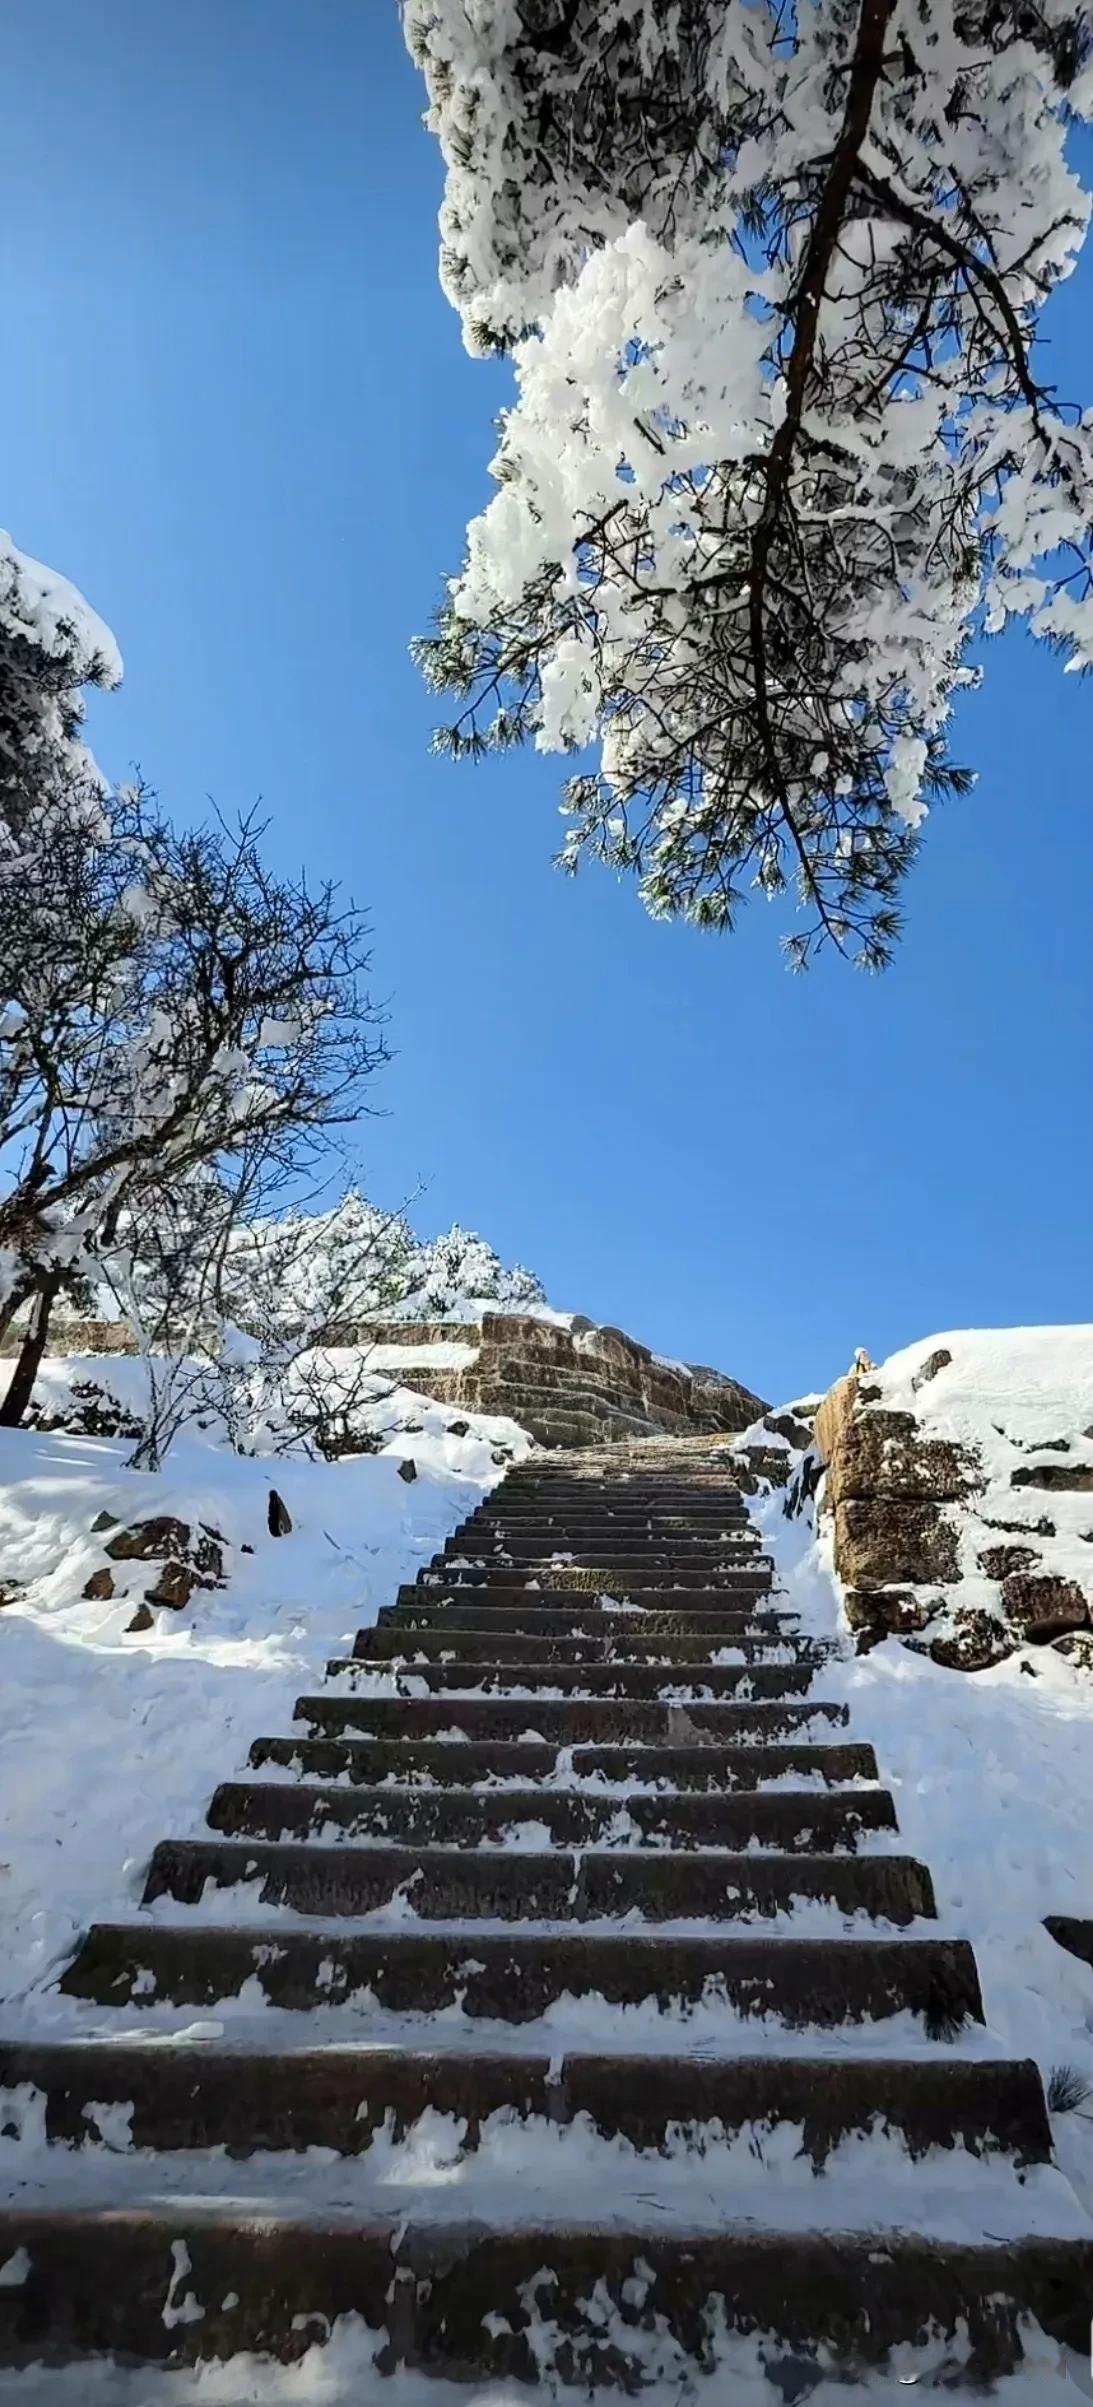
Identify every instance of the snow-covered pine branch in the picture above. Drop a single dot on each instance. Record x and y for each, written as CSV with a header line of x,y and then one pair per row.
x,y
782,442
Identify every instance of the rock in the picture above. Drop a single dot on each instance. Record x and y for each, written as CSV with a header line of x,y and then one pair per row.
x,y
796,1433
886,1454
175,1585
1044,1606
161,1534
881,1541
101,1583
976,1640
833,1416
103,1521
278,1517
1077,1646
939,1360
1053,1475
407,1468
10,1590
142,1619
1043,1528
1000,1562
878,1613
458,1429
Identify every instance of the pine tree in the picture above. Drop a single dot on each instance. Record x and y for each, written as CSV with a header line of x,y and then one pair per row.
x,y
782,444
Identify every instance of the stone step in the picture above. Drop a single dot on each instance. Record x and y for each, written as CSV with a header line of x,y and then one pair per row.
x,y
618,1641
787,1819
567,1532
585,1618
565,1721
573,1529
517,1976
602,1545
710,1768
629,1507
616,1679
516,1885
189,2094
589,1503
185,2283
565,1580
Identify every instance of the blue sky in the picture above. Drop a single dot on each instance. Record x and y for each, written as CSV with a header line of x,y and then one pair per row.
x,y
236,410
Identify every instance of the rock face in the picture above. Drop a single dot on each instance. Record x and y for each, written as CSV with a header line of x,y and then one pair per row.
x,y
887,1483
571,1383
924,1461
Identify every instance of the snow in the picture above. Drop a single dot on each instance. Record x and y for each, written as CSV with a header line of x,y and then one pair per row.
x,y
342,2373
110,1743
435,1357
37,603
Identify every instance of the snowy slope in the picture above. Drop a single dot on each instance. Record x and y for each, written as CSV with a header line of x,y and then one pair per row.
x,y
110,1742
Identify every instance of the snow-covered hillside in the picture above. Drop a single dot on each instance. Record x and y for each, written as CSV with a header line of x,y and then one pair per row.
x,y
107,1739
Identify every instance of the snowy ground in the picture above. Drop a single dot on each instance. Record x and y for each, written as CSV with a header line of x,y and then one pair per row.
x,y
109,1743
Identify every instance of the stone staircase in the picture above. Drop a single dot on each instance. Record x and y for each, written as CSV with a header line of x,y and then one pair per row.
x,y
571,1928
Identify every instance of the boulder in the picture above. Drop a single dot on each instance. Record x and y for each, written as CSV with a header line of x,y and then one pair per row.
x,y
1073,1476
278,1517
161,1534
882,1541
878,1613
975,1641
1001,1562
1044,1606
939,1360
1077,1646
175,1585
886,1454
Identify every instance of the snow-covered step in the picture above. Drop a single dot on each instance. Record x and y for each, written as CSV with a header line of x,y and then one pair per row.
x,y
439,1884
186,2094
520,1976
812,1820
190,2281
584,1616
463,1762
619,1638
567,1721
672,1578
714,1552
408,1675
576,1529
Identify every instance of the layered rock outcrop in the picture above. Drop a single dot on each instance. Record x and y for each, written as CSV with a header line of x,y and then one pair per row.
x,y
569,1382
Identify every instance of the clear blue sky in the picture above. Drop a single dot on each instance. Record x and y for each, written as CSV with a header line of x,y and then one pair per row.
x,y
236,410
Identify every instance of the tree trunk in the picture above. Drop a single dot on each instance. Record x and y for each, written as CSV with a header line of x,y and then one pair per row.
x,y
21,1389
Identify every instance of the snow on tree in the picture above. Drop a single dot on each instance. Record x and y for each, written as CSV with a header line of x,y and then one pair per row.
x,y
51,644
303,1273
782,444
